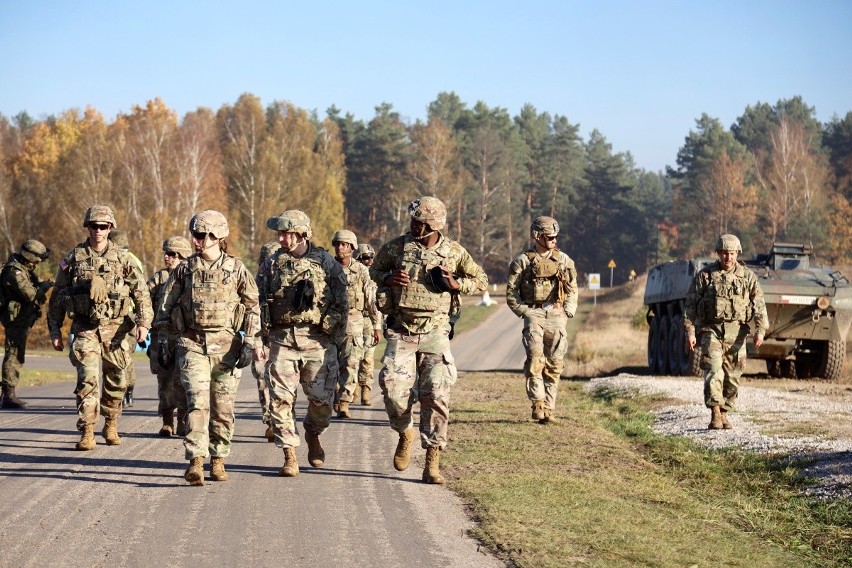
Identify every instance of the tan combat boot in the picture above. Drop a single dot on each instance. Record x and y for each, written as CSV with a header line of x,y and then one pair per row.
x,y
715,419
549,418
110,432
87,439
402,455
357,392
168,427
365,395
538,410
316,455
726,424
270,432
217,469
343,410
291,464
431,471
195,472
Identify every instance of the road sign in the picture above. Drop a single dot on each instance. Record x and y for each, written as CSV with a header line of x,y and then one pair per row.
x,y
594,281
611,264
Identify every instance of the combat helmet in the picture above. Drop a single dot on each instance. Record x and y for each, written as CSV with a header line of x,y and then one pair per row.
x,y
544,226
99,214
266,250
178,245
209,221
291,221
119,239
344,236
429,210
365,249
34,251
728,242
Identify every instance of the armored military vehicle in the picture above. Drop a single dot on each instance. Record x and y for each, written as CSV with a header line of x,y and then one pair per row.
x,y
809,308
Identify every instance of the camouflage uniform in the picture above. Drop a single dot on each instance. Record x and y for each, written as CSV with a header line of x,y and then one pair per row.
x,y
720,304
418,365
259,369
22,295
170,392
99,326
304,308
542,289
208,304
365,365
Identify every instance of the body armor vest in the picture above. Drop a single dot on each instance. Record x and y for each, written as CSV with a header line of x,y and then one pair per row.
x,y
355,287
210,301
297,286
85,265
420,295
540,281
725,299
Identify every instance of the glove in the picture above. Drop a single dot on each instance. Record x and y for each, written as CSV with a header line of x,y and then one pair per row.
x,y
246,355
164,356
98,293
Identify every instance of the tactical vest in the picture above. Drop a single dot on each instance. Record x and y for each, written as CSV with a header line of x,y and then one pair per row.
x,y
159,280
540,281
420,295
354,288
297,286
210,301
85,264
725,299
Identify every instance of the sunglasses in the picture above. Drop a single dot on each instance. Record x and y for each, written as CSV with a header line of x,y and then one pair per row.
x,y
170,254
99,226
365,257
201,236
553,238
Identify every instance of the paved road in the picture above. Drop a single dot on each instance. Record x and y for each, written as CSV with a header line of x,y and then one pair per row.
x,y
128,505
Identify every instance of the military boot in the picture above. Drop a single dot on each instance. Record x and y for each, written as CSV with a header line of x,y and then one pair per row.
x,y
195,472
365,395
181,423
402,455
291,465
538,410
343,410
726,424
217,469
548,416
87,439
431,471
316,455
110,432
11,400
716,422
168,427
128,397
270,432
356,393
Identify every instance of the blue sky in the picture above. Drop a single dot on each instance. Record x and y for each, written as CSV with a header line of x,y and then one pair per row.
x,y
640,72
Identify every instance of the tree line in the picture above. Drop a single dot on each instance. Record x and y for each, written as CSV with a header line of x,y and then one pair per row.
x,y
777,173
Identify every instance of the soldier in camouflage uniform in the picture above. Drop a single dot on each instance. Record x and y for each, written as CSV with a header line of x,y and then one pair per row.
x,y
120,240
209,299
170,391
97,285
723,299
22,295
260,368
303,308
362,300
542,289
420,275
371,333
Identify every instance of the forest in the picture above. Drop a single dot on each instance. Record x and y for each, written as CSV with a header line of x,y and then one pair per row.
x,y
775,174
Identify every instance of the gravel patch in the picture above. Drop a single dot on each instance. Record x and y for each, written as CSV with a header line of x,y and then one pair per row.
x,y
827,460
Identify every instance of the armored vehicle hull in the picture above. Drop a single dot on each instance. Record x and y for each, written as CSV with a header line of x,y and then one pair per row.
x,y
809,308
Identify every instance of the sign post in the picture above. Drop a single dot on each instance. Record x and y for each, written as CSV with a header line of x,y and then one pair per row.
x,y
611,265
595,284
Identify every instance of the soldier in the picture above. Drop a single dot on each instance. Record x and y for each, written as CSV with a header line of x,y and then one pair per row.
x,y
22,295
96,285
260,368
210,298
170,391
120,240
372,334
420,275
303,308
542,289
361,298
722,299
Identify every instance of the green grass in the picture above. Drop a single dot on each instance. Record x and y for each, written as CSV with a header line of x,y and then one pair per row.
x,y
35,377
600,489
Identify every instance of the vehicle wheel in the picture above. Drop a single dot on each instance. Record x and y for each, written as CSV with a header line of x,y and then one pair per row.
x,y
665,345
677,359
833,360
788,369
653,344
773,367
